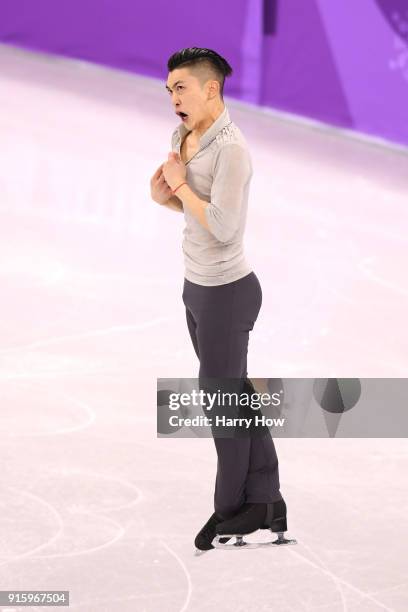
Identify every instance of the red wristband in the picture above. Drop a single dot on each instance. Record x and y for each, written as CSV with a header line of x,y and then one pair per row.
x,y
174,190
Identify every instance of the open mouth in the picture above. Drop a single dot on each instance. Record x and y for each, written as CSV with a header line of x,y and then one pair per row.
x,y
182,115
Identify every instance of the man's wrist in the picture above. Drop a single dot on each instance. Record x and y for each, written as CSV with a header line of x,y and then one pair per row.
x,y
177,186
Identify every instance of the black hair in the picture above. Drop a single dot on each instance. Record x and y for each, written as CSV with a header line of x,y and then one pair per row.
x,y
192,56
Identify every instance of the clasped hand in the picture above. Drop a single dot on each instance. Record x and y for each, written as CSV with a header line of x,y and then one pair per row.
x,y
174,170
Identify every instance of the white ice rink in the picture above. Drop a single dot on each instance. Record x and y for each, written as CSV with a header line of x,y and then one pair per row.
x,y
91,275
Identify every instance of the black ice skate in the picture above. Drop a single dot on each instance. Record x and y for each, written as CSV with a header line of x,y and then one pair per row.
x,y
206,535
250,518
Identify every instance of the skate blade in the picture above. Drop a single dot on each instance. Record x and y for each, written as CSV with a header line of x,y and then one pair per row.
x,y
198,552
241,543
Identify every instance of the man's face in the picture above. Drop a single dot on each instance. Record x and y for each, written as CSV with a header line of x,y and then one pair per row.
x,y
188,96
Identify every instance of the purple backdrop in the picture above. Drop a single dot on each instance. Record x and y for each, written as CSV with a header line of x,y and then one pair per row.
x,y
344,62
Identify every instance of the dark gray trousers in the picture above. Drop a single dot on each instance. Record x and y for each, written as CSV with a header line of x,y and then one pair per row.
x,y
219,320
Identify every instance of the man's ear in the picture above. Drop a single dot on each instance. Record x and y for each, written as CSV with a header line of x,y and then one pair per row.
x,y
213,88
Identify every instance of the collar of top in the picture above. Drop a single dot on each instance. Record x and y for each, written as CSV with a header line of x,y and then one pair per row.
x,y
211,132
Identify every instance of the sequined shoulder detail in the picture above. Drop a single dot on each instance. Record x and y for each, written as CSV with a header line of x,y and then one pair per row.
x,y
227,135
175,137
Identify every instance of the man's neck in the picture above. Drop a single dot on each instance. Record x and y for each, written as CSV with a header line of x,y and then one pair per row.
x,y
207,122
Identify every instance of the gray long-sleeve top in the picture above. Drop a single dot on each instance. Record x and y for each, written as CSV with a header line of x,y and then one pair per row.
x,y
219,173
